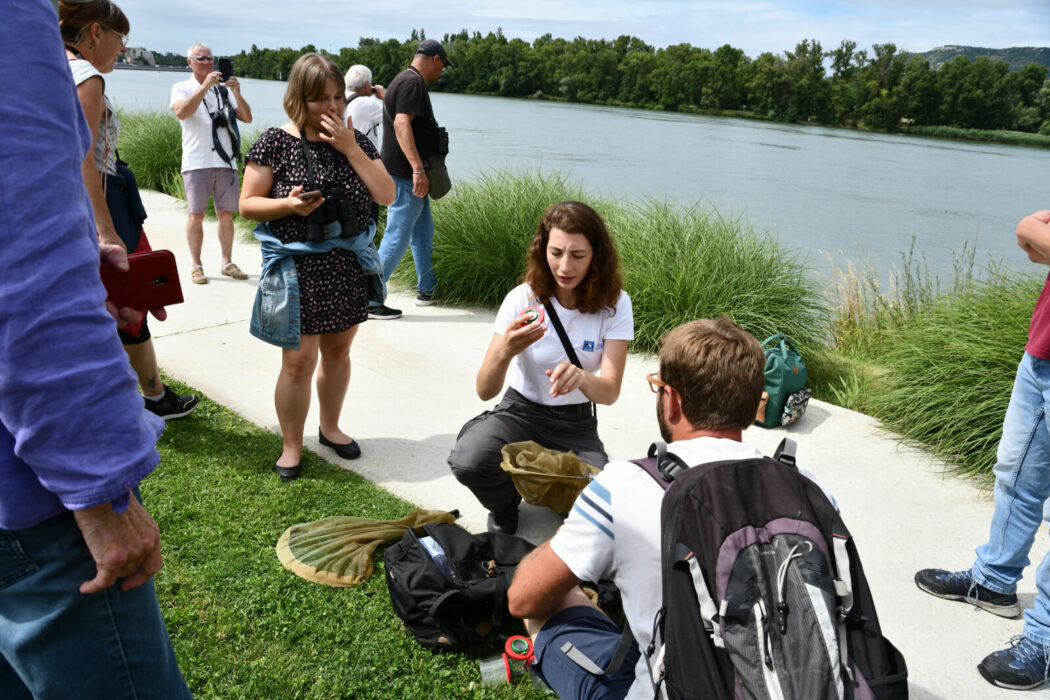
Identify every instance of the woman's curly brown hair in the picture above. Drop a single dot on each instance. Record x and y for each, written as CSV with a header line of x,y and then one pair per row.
x,y
600,287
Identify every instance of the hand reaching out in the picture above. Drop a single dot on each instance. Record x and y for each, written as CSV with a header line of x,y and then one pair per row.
x,y
565,378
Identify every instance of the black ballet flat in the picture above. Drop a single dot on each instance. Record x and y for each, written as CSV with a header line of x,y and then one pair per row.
x,y
287,473
350,450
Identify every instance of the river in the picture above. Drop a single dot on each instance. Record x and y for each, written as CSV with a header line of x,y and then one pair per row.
x,y
825,192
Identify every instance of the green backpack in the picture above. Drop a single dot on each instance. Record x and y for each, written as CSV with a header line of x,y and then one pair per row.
x,y
785,375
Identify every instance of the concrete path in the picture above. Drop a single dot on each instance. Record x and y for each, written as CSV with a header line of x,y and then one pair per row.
x,y
413,388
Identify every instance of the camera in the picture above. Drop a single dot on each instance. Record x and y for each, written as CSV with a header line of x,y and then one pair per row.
x,y
336,208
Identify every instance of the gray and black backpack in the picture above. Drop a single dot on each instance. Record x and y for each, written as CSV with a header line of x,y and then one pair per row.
x,y
764,595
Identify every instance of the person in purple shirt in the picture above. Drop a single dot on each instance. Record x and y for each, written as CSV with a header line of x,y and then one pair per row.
x,y
78,612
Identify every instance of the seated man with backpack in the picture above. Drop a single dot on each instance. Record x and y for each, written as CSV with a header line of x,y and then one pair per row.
x,y
708,389
737,566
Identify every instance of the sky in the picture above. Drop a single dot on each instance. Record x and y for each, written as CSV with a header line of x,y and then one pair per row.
x,y
229,26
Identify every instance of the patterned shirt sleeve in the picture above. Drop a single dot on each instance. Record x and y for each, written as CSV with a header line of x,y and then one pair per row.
x,y
366,146
262,150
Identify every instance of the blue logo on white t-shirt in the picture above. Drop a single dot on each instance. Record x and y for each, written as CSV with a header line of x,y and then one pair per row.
x,y
588,346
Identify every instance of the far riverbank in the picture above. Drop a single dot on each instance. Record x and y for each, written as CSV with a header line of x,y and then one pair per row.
x,y
153,69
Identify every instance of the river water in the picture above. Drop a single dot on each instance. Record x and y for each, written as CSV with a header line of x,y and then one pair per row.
x,y
823,192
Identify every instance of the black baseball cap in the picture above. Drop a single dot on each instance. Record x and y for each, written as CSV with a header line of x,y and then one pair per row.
x,y
431,47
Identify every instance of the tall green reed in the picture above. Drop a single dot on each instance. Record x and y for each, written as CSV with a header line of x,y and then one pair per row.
x,y
678,262
151,143
864,315
683,262
948,371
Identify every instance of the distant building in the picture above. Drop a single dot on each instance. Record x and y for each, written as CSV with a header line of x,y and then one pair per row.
x,y
138,56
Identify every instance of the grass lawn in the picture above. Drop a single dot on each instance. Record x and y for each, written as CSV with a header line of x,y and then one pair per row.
x,y
243,626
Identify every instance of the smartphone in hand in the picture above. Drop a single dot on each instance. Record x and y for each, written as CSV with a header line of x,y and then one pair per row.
x,y
225,66
151,282
313,194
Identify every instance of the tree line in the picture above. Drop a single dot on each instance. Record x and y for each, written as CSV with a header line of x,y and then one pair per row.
x,y
846,86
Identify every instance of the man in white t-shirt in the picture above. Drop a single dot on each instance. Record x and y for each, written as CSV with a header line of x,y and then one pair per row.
x,y
364,109
208,108
364,102
708,389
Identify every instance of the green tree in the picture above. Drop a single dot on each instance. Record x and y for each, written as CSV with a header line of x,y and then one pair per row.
x,y
842,87
917,96
809,91
768,86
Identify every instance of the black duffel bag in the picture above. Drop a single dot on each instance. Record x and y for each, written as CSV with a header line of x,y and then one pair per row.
x,y
450,587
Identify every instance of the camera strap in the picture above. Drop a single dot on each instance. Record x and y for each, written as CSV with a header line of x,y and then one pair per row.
x,y
311,174
222,105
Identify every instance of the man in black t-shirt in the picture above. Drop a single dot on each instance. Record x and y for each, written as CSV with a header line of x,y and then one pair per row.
x,y
409,139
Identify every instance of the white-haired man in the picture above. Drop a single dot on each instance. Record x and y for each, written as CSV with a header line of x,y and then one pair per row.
x,y
364,102
208,107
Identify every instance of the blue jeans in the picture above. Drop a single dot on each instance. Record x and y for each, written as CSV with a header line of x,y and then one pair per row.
x,y
1022,487
56,642
597,637
409,222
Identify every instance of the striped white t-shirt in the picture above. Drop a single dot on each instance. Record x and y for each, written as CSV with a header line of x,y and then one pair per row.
x,y
613,532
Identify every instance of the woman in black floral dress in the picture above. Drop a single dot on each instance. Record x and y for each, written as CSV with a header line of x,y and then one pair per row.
x,y
333,297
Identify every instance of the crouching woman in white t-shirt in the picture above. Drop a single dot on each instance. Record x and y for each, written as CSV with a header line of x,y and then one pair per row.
x,y
572,264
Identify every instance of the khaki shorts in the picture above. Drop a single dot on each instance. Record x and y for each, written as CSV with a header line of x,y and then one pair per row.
x,y
220,182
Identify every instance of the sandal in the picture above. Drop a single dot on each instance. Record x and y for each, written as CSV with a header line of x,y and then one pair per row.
x,y
230,269
197,275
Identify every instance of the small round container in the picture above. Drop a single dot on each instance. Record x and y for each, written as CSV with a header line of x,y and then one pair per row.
x,y
534,314
495,670
518,649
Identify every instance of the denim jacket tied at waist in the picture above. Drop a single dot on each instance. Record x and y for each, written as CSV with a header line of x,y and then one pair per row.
x,y
275,314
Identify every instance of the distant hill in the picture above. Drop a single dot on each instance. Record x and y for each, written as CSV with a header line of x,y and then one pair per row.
x,y
1018,57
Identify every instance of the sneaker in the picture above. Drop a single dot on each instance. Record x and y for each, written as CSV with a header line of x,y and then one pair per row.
x,y
172,405
1024,666
197,275
230,269
960,585
424,299
383,313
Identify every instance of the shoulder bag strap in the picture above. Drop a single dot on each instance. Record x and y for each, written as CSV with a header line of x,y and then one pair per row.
x,y
553,316
564,338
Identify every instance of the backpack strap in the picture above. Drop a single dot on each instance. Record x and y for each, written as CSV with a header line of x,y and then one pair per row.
x,y
843,589
785,452
708,610
583,661
662,465
666,466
